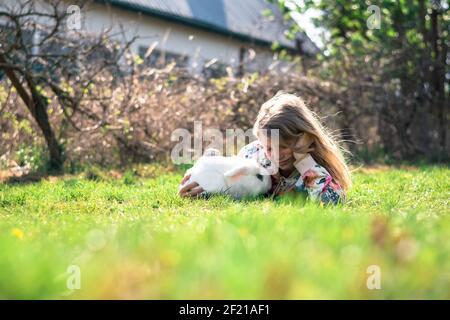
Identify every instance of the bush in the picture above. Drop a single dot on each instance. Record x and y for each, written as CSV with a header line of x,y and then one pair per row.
x,y
33,157
134,120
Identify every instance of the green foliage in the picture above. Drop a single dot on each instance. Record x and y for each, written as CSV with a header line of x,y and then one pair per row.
x,y
393,52
32,156
129,177
141,240
94,173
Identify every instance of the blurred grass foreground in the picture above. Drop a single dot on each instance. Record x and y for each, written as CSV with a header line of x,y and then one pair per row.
x,y
121,236
80,102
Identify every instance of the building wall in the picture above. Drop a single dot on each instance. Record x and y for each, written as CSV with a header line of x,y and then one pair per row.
x,y
201,46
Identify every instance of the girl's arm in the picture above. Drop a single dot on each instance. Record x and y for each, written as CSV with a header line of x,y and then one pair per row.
x,y
316,180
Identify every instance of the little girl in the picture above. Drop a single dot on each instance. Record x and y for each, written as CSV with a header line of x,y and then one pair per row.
x,y
308,158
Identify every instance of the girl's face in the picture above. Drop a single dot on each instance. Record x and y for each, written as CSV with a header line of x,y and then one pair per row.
x,y
283,157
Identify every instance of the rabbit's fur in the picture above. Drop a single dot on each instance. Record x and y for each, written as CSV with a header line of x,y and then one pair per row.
x,y
233,176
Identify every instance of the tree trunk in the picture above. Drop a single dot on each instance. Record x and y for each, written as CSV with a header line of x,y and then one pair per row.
x,y
41,117
37,105
438,45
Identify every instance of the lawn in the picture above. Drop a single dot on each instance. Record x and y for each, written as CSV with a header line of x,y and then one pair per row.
x,y
133,237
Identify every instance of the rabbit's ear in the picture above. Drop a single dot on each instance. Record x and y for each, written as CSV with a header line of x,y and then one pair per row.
x,y
237,172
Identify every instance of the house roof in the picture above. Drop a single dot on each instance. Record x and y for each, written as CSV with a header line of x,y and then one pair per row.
x,y
242,19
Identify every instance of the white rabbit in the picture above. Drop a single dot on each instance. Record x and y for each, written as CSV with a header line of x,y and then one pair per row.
x,y
233,176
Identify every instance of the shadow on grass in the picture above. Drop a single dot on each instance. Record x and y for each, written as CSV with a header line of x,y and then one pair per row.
x,y
28,178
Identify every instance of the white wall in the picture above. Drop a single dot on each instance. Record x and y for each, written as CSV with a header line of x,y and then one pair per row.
x,y
201,46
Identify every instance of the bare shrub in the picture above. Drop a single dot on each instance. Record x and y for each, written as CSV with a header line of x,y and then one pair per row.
x,y
133,120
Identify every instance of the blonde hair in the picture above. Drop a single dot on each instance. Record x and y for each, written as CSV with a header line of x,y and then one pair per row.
x,y
289,114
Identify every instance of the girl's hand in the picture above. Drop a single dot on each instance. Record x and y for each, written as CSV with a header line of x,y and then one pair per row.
x,y
303,146
190,190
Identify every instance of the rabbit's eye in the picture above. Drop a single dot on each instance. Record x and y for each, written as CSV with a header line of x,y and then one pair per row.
x,y
259,176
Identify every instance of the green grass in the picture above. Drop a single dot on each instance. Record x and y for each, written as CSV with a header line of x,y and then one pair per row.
x,y
135,238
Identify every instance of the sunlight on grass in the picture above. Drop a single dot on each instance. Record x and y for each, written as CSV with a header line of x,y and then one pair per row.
x,y
133,237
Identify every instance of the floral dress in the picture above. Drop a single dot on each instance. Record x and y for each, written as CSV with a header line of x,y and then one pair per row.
x,y
309,177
